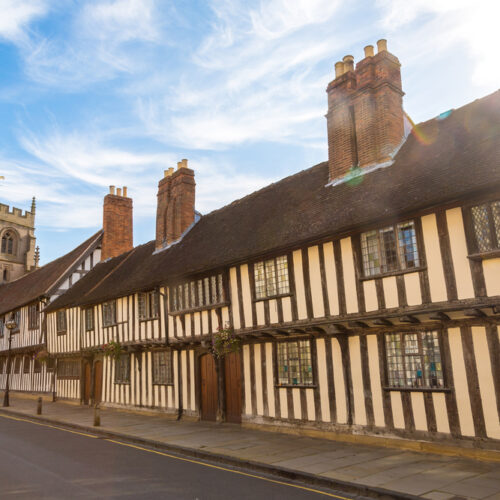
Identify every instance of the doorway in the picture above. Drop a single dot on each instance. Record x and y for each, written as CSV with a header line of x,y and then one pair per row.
x,y
232,365
209,398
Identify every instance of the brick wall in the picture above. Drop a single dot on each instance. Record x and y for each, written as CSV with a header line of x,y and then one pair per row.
x,y
117,225
365,111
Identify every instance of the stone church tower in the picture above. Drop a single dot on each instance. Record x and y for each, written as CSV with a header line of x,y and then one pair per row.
x,y
18,254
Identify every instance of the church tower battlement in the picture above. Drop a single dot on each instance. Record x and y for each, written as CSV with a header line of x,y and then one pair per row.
x,y
17,242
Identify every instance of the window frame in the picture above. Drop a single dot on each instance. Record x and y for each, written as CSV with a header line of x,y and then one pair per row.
x,y
34,315
105,324
2,326
474,252
17,364
151,307
208,292
278,294
61,329
169,368
119,377
64,373
312,354
427,388
397,250
86,311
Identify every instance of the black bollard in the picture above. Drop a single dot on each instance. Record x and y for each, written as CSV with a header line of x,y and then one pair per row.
x,y
39,406
97,416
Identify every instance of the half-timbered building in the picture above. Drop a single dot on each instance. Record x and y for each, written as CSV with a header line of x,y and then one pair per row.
x,y
25,299
365,290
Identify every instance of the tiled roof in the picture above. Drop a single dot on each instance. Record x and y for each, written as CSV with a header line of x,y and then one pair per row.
x,y
41,281
445,159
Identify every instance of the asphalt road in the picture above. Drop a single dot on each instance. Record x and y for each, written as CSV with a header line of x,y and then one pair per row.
x,y
43,461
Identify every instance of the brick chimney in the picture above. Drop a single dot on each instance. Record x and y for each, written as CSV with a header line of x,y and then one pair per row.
x,y
117,223
365,116
175,209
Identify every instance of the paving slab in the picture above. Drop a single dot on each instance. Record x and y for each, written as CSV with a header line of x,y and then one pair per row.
x,y
431,476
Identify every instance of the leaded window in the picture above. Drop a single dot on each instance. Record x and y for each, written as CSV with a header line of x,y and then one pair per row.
x,y
61,321
162,367
26,364
37,366
17,364
68,369
393,248
2,326
203,292
148,305
51,364
486,223
109,313
294,363
33,315
271,278
89,319
414,360
122,369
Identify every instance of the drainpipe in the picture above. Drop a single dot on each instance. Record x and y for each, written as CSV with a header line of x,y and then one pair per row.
x,y
179,383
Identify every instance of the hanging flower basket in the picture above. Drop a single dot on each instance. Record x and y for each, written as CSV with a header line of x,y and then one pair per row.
x,y
113,349
224,342
41,356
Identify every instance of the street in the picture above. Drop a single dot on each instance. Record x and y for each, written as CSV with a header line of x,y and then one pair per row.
x,y
44,461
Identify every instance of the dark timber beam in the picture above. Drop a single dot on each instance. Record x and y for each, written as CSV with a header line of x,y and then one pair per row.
x,y
474,313
439,316
409,319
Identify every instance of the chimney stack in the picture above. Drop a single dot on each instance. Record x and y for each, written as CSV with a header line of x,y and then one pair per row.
x,y
365,111
117,223
175,208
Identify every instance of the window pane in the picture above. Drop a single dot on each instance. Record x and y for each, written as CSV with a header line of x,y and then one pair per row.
x,y
206,284
433,370
282,363
194,302
407,241
260,286
213,286
481,225
294,363
395,368
270,278
495,210
370,251
142,305
282,271
388,249
220,288
305,362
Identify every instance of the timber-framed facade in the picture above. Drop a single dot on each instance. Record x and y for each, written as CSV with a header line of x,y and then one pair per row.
x,y
365,290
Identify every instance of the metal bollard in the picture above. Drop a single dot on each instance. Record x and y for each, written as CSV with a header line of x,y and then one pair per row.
x,y
39,406
97,415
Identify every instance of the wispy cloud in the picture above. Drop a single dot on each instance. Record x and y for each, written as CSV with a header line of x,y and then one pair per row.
x,y
16,17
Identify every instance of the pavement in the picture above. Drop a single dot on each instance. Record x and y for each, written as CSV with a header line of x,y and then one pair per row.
x,y
360,468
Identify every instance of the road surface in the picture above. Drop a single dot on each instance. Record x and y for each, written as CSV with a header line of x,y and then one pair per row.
x,y
44,461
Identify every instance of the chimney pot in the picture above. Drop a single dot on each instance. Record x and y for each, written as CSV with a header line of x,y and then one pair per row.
x,y
179,165
125,191
118,191
111,189
184,163
165,173
369,51
339,69
382,45
348,63
170,171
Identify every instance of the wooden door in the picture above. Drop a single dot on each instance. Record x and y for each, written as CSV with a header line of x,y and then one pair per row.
x,y
209,398
97,382
86,383
232,371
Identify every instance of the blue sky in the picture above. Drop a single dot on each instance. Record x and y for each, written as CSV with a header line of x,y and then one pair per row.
x,y
103,92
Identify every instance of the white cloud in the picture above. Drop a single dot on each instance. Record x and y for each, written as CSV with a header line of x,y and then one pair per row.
x,y
440,25
101,42
16,15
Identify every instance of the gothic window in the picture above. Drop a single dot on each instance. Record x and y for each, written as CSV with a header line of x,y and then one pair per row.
x,y
294,363
393,248
271,278
8,242
486,225
414,360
